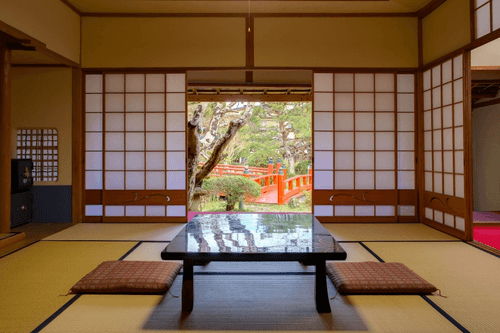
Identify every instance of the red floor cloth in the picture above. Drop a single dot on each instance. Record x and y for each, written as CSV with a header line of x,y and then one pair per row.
x,y
488,235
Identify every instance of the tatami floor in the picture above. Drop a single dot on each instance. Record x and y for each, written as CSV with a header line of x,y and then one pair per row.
x,y
34,282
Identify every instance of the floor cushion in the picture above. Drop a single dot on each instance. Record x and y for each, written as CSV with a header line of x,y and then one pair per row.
x,y
129,277
376,278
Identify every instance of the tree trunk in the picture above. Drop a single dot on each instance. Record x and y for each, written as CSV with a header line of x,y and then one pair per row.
x,y
193,149
291,164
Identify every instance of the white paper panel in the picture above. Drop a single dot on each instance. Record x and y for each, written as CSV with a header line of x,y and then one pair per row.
x,y
458,91
448,139
115,122
364,102
384,82
134,122
364,180
344,121
134,83
176,180
436,76
115,161
176,82
176,102
449,220
428,160
134,103
406,83
176,211
344,82
385,210
364,160
427,80
115,210
135,161
479,3
115,102
364,82
93,141
428,140
155,141
134,180
384,121
323,140
384,141
176,161
135,141
406,160
115,141
323,121
406,180
458,114
365,121
155,161
448,184
93,180
429,213
323,210
428,181
323,82
448,161
115,83
344,180
155,122
436,97
344,102
93,161
344,160
344,141
438,216
323,180
155,82
447,94
93,83
114,180
459,186
458,70
344,210
406,102
459,138
135,211
448,116
155,180
483,21
447,71
384,102
155,211
93,103
364,211
155,102
93,210
438,161
438,182
406,122
385,180
436,137
323,160
496,14
427,120
406,210
459,162
427,100
176,141
93,122
460,223
364,140
323,102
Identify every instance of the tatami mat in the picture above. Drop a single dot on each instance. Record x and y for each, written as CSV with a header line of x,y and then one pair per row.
x,y
250,303
468,276
2,236
35,280
385,232
120,232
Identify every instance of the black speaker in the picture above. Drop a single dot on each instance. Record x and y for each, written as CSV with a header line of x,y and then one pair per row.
x,y
22,175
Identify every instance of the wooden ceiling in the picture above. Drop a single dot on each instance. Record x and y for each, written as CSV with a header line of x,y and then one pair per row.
x,y
256,6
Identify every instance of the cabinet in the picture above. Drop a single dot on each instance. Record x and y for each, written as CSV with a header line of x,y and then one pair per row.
x,y
21,208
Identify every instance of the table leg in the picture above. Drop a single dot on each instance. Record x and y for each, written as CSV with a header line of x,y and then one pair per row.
x,y
187,287
321,290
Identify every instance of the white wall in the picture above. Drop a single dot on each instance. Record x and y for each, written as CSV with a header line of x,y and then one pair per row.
x,y
486,158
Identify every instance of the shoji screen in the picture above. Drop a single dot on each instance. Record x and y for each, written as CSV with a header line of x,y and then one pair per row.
x,y
364,147
444,149
135,147
487,16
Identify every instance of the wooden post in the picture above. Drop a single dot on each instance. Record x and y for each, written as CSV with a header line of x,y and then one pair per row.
x,y
5,131
283,166
297,182
281,187
246,173
278,165
270,166
309,168
268,181
77,149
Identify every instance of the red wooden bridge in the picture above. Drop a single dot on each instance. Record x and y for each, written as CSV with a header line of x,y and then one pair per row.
x,y
275,187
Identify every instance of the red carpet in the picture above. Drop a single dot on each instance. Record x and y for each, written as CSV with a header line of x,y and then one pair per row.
x,y
488,235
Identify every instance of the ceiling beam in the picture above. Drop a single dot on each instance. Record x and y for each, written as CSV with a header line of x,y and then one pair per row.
x,y
474,96
249,98
487,103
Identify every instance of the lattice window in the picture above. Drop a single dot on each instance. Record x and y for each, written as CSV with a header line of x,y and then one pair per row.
x,y
487,13
41,146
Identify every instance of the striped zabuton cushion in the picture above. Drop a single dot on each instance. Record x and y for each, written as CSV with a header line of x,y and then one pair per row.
x,y
376,278
129,277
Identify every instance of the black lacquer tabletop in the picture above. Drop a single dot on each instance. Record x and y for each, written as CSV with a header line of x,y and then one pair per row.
x,y
254,237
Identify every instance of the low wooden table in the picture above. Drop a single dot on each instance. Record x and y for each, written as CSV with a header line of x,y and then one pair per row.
x,y
254,237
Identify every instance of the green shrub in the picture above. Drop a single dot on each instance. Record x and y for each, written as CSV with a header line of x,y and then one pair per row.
x,y
301,167
235,188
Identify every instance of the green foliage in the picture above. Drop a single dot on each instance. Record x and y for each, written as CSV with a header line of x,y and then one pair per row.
x,y
301,167
236,189
290,175
308,195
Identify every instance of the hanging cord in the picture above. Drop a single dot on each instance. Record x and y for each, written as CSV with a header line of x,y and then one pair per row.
x,y
336,293
248,15
439,294
174,296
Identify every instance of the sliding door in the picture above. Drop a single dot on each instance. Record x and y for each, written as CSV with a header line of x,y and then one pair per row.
x,y
135,147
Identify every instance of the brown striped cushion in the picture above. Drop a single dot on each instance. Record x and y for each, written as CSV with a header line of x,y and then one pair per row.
x,y
376,278
129,277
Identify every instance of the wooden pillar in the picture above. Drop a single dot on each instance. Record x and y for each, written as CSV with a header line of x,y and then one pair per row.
x,y
77,147
5,131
